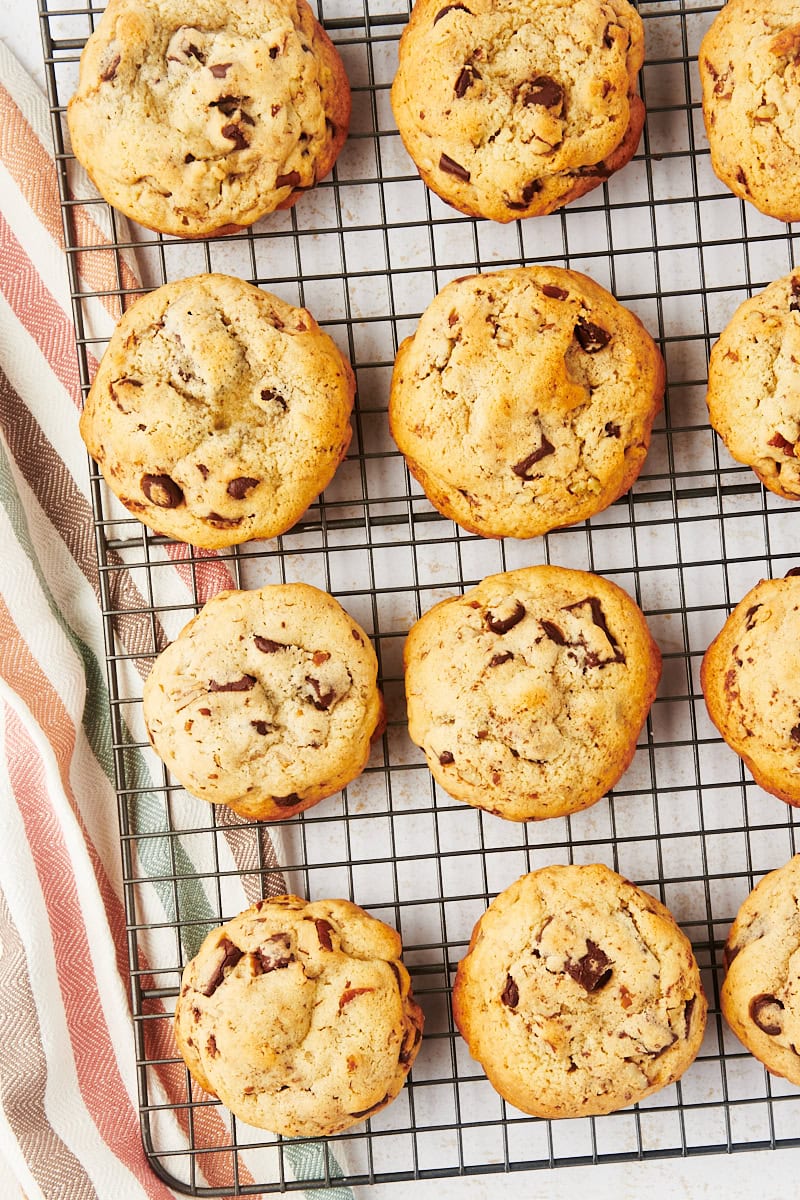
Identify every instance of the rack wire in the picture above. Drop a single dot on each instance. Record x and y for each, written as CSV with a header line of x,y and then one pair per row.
x,y
366,251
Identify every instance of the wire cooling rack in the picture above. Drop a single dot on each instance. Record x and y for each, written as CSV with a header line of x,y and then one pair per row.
x,y
366,251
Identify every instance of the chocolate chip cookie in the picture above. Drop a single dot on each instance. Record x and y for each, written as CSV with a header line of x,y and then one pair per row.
x,y
528,693
513,108
525,400
299,1017
754,385
579,994
750,72
218,412
192,116
266,701
751,680
761,994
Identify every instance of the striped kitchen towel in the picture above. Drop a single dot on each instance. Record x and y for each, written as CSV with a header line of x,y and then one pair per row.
x,y
69,1126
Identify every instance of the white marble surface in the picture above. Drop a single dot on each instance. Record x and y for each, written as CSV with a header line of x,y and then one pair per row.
x,y
738,1176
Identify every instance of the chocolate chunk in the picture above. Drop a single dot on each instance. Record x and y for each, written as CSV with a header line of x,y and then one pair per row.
x,y
466,78
227,105
794,571
227,956
211,1046
274,51
412,1039
193,52
220,522
321,700
269,396
261,727
498,659
189,158
234,134
742,178
593,970
555,293
553,633
794,303
324,930
541,90
274,955
266,645
245,684
220,70
510,993
365,1112
522,468
446,758
794,733
451,167
239,487
530,190
688,1009
591,338
451,8
751,612
503,624
111,70
764,1011
729,954
350,994
203,469
292,179
162,491
611,429
286,801
599,619
781,443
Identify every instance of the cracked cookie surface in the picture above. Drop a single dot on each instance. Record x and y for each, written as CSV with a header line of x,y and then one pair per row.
x,y
266,701
754,385
196,115
760,997
749,64
218,412
513,108
525,400
299,1016
579,994
751,680
528,693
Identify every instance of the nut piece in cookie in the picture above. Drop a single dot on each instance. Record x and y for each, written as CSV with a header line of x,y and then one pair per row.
x,y
579,994
199,118
267,701
750,78
513,108
218,412
299,1016
760,997
525,400
528,693
750,677
754,385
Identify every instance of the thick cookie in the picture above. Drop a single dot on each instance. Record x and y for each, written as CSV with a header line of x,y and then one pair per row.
x,y
754,385
751,680
512,108
528,693
761,994
218,412
750,72
579,994
525,400
266,701
192,116
299,1017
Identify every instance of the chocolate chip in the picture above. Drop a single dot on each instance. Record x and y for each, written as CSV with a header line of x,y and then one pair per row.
x,y
688,1009
365,1112
220,70
111,70
742,178
541,90
203,469
239,487
593,970
227,956
266,645
794,571
522,468
350,994
261,727
269,396
599,619
451,167
591,338
451,8
794,303
794,733
162,491
553,633
510,993
211,1046
611,429
555,293
234,134
274,955
292,179
608,40
446,758
321,700
286,801
193,52
764,1010
503,624
782,443
245,684
274,51
466,78
220,522
189,158
498,659
227,105
324,930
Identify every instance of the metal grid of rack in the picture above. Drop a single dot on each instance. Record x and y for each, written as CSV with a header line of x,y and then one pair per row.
x,y
366,251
